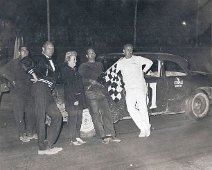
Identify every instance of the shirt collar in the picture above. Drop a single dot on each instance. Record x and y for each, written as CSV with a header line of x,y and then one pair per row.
x,y
49,58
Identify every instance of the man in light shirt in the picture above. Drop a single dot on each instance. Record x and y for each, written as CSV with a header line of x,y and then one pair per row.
x,y
135,86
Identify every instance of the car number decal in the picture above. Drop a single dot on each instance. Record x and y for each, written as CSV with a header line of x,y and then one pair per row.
x,y
178,82
154,95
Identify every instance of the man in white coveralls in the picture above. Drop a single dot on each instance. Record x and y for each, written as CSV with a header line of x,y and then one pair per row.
x,y
135,87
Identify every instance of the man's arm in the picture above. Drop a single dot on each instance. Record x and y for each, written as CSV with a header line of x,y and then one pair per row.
x,y
147,62
87,78
28,66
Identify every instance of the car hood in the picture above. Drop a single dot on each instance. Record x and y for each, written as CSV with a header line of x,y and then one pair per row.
x,y
200,78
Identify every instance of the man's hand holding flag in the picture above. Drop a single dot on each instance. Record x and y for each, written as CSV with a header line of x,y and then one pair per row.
x,y
115,83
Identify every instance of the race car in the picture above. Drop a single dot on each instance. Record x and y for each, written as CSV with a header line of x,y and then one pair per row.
x,y
172,86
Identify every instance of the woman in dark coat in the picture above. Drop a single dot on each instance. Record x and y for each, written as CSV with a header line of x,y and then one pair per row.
x,y
74,96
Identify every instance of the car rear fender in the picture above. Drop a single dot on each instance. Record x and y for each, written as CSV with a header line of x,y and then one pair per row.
x,y
208,91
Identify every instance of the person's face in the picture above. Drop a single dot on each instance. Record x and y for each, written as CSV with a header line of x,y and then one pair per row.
x,y
91,55
48,50
24,52
128,50
72,61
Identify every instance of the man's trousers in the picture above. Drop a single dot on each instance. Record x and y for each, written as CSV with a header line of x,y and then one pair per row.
x,y
136,100
101,116
23,109
45,104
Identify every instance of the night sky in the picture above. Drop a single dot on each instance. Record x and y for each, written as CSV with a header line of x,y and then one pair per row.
x,y
100,22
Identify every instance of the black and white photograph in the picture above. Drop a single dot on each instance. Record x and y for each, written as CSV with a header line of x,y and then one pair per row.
x,y
106,85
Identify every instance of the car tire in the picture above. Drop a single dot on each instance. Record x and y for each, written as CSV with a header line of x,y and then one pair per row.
x,y
87,128
198,104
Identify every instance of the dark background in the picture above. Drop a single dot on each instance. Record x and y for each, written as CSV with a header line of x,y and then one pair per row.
x,y
105,25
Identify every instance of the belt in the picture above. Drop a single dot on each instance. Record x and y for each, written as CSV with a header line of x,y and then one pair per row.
x,y
47,82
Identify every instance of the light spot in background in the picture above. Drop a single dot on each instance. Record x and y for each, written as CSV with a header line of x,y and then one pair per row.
x,y
184,23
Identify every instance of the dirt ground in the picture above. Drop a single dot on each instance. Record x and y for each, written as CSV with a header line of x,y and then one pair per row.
x,y
175,143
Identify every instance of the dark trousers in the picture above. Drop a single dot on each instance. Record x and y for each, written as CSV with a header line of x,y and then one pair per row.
x,y
101,116
74,122
45,104
23,108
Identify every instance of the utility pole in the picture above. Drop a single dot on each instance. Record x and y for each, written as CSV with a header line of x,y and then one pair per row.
x,y
48,20
135,23
197,25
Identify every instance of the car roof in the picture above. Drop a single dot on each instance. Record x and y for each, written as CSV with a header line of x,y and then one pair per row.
x,y
162,56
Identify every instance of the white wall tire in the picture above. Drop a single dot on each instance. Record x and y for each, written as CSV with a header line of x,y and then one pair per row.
x,y
198,105
87,127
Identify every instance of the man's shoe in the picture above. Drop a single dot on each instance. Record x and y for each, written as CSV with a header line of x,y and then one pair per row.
x,y
50,151
80,140
147,133
142,134
24,138
106,141
34,136
75,143
115,139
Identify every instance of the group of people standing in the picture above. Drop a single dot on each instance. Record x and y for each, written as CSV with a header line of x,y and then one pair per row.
x,y
82,90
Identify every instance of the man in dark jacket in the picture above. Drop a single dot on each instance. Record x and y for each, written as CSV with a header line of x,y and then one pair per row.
x,y
97,101
21,98
44,81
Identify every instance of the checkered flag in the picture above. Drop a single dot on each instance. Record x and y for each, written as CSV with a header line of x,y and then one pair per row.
x,y
115,83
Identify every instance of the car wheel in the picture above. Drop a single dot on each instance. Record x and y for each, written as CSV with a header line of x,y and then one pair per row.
x,y
87,128
198,105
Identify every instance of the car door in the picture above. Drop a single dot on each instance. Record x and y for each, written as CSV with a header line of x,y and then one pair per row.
x,y
157,84
176,78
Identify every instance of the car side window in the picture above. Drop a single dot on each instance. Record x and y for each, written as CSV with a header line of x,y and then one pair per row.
x,y
173,69
155,69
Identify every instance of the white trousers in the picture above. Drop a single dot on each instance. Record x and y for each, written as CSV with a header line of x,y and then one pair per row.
x,y
136,100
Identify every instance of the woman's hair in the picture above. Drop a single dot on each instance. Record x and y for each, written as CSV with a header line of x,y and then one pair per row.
x,y
69,54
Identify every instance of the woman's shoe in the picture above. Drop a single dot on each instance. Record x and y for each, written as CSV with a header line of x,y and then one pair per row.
x,y
80,140
24,139
75,143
